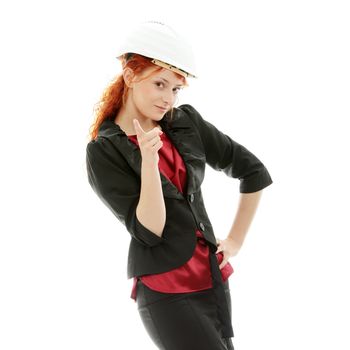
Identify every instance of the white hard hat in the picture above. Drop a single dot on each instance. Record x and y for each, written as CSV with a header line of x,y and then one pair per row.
x,y
164,45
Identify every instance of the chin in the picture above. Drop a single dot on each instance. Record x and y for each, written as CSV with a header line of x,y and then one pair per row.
x,y
159,115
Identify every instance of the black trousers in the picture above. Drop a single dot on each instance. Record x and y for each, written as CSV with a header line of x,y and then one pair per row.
x,y
183,321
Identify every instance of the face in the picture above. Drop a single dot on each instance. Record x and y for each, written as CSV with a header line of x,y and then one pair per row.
x,y
159,90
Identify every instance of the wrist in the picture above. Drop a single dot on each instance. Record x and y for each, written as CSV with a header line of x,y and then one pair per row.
x,y
149,164
234,240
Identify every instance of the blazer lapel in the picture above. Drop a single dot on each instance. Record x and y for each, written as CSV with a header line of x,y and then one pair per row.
x,y
182,135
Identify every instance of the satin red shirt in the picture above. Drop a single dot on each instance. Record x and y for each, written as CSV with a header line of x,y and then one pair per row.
x,y
195,274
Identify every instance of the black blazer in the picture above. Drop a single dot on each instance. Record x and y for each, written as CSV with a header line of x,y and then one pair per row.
x,y
114,172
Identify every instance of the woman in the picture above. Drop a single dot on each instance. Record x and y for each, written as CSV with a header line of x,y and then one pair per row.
x,y
146,162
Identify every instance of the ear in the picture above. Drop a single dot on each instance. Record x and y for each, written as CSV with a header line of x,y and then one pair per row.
x,y
128,75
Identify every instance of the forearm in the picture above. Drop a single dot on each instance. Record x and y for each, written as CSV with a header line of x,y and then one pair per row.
x,y
150,210
247,206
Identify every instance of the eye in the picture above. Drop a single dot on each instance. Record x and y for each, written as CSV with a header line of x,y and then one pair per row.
x,y
158,82
176,90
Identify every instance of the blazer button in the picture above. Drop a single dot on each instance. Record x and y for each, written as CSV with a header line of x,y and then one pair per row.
x,y
201,225
191,197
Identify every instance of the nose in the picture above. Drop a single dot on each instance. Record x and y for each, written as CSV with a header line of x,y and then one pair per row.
x,y
168,99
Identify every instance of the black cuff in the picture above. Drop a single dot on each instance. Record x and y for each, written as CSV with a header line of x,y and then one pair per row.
x,y
145,235
256,182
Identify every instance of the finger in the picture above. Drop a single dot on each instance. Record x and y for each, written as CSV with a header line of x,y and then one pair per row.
x,y
223,263
150,138
153,134
153,140
220,248
138,128
157,146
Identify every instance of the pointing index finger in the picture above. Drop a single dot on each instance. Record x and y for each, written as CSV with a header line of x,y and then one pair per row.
x,y
138,127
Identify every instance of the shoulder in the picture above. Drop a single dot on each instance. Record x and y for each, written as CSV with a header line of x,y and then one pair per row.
x,y
195,118
187,110
102,150
189,114
97,147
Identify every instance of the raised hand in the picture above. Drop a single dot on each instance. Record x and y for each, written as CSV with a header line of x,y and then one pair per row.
x,y
149,142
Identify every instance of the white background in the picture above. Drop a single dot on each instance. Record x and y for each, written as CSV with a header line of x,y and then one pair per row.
x,y
273,75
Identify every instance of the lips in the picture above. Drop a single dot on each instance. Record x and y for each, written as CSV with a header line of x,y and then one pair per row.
x,y
162,109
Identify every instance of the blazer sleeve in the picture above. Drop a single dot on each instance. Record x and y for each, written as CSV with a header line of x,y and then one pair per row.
x,y
224,154
118,188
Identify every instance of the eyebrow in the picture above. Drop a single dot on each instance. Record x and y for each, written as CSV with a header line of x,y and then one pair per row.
x,y
168,81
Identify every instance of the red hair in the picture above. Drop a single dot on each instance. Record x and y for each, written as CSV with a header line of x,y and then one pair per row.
x,y
115,95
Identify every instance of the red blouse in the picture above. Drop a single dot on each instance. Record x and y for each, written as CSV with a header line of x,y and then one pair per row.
x,y
195,274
